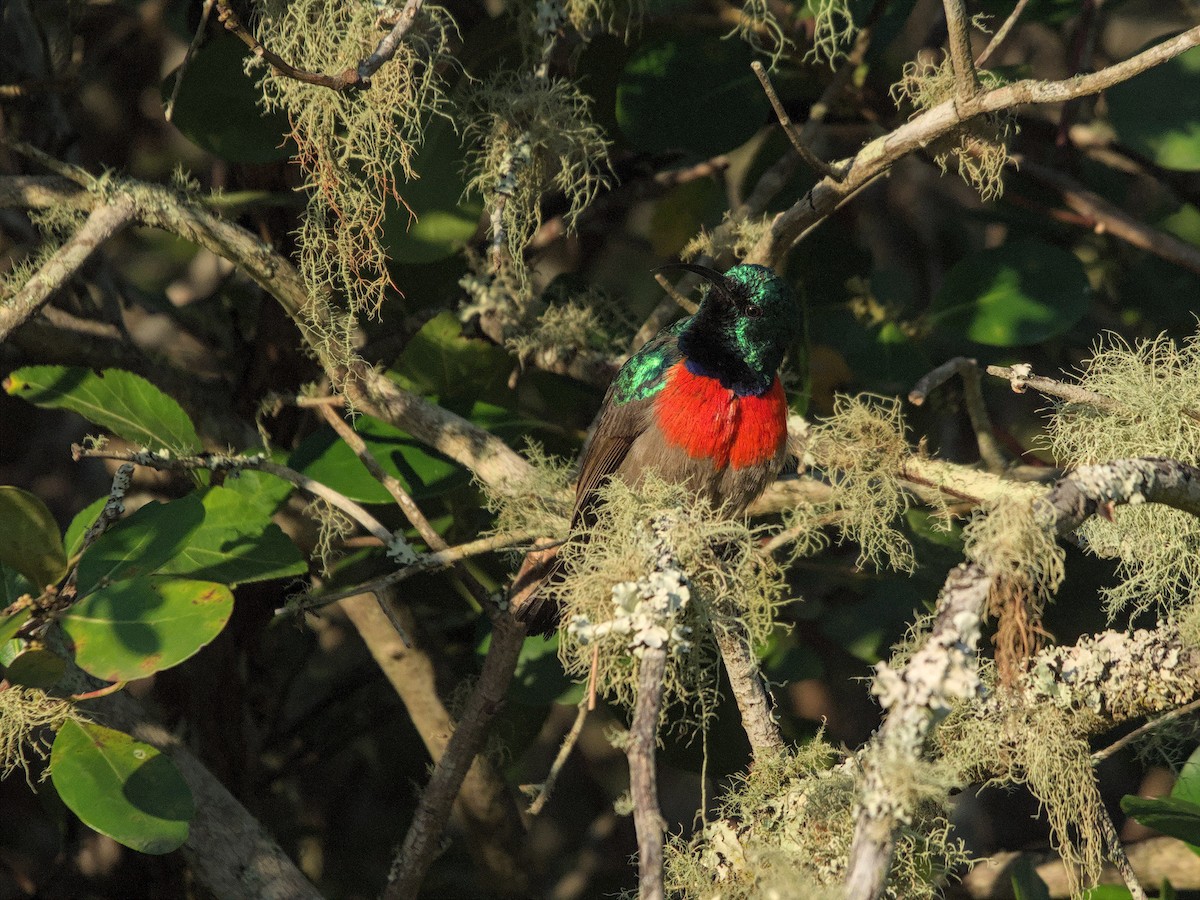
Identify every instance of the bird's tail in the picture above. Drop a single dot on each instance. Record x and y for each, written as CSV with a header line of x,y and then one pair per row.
x,y
532,597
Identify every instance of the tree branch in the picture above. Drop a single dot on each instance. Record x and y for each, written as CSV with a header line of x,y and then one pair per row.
x,y
1021,377
880,154
749,690
981,423
958,25
425,833
1001,35
643,779
104,221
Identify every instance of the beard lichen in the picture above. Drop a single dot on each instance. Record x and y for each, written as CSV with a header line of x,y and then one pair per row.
x,y
28,720
785,829
533,135
1015,541
355,148
1155,389
719,564
862,451
979,147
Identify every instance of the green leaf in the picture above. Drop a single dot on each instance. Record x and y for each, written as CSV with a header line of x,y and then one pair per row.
x,y
141,543
1026,883
126,404
218,106
235,543
30,664
1187,785
131,629
84,519
1022,293
266,493
13,586
690,91
439,360
121,787
29,540
444,220
1107,892
1157,113
328,459
10,625
1172,816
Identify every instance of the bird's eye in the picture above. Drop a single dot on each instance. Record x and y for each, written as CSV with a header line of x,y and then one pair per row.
x,y
753,310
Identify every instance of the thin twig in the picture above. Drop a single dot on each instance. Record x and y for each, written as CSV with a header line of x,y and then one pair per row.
x,y
1002,35
643,777
685,304
958,24
1142,730
1022,377
342,82
1103,216
981,423
387,47
880,154
813,161
1116,853
205,12
407,505
560,759
102,223
430,562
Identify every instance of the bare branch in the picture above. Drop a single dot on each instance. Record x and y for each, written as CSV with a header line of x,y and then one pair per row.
x,y
1106,217
1022,377
813,161
880,154
966,80
103,223
1001,35
560,759
425,833
387,47
749,690
981,423
643,778
205,12
1142,730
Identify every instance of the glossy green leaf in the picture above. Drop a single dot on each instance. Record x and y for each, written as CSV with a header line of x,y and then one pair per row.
x,y
126,404
121,787
441,220
141,543
327,458
1026,883
10,625
1172,816
235,543
218,106
266,493
31,664
13,586
131,629
439,360
83,520
690,91
1157,113
29,539
1187,785
1108,892
1022,293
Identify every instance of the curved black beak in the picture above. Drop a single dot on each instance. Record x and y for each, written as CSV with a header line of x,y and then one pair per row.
x,y
712,276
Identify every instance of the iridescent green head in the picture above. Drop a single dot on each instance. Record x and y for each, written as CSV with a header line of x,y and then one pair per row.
x,y
743,327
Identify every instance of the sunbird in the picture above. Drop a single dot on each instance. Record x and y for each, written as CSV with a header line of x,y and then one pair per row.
x,y
700,404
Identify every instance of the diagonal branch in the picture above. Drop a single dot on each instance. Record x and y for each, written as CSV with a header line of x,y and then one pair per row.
x,y
104,221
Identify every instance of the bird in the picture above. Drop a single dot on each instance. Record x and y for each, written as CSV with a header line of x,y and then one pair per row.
x,y
701,404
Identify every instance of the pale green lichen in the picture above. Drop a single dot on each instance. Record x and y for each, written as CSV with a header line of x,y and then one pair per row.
x,y
1153,386
355,147
29,719
979,148
861,450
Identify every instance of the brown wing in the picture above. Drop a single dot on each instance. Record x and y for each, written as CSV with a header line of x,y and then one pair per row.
x,y
619,427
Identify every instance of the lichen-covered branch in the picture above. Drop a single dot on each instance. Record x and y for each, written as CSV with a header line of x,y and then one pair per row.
x,y
1021,377
943,672
104,221
750,692
880,154
643,778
